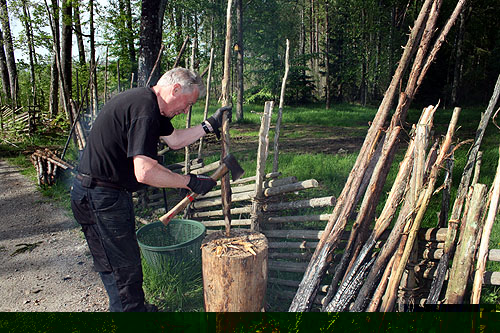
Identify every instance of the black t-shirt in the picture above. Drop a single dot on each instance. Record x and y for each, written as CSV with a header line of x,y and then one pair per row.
x,y
129,124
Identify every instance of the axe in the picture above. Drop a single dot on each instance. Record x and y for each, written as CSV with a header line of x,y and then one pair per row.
x,y
229,163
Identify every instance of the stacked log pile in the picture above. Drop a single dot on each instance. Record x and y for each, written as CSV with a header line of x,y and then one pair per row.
x,y
47,165
17,121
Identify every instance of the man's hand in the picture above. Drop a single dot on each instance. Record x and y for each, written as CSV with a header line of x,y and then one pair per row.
x,y
200,184
216,119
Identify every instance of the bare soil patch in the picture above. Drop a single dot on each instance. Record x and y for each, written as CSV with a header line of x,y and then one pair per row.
x,y
46,264
294,138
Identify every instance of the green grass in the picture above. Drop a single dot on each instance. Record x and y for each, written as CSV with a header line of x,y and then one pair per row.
x,y
174,292
178,287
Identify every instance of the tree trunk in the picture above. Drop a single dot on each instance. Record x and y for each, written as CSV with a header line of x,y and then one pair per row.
x,y
66,48
4,70
234,271
9,52
54,73
126,11
152,12
327,56
239,98
79,34
458,66
31,51
93,67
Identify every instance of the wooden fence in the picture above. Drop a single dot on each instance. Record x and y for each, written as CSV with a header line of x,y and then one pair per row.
x,y
293,235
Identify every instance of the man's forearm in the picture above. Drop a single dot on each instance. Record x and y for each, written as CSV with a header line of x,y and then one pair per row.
x,y
184,137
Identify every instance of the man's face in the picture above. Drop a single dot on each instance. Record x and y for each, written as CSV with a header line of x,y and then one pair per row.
x,y
179,101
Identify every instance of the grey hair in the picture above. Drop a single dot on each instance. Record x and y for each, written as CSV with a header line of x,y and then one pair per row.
x,y
186,78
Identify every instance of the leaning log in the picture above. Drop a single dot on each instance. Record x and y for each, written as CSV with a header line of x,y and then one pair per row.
x,y
421,206
456,211
485,239
466,248
308,287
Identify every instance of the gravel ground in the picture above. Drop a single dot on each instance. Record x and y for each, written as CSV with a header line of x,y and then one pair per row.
x,y
54,272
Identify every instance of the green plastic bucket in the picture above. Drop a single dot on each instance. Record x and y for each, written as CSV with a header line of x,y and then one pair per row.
x,y
165,246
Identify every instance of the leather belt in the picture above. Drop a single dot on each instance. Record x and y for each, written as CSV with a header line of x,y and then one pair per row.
x,y
92,182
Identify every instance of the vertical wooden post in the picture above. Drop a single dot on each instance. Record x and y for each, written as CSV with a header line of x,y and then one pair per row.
x,y
226,100
207,96
262,151
280,110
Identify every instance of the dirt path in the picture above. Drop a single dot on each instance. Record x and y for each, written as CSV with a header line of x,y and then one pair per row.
x,y
57,274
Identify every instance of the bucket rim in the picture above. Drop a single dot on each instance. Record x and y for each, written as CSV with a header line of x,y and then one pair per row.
x,y
170,247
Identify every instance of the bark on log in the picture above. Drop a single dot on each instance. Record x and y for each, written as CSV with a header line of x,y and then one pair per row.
x,y
262,152
235,280
485,239
226,101
207,97
280,109
319,263
422,203
309,203
300,218
466,248
387,214
306,184
437,283
211,213
235,222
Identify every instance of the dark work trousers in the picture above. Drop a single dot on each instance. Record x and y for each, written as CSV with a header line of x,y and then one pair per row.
x,y
106,216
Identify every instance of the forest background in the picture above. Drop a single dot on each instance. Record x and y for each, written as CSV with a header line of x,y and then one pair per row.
x,y
340,50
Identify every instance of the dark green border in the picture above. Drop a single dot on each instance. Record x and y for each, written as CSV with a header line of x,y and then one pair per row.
x,y
486,319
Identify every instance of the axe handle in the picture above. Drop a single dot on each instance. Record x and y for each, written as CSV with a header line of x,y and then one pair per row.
x,y
165,219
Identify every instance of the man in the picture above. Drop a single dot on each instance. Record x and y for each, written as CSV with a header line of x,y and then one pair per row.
x,y
120,155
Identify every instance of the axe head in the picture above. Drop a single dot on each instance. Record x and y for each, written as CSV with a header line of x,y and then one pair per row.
x,y
233,166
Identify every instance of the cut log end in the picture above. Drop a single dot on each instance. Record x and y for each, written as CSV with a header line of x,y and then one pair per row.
x,y
234,271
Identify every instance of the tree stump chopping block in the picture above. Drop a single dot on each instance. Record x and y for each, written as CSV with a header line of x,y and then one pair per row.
x,y
234,271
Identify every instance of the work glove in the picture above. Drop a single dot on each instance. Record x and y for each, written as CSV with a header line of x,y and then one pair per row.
x,y
200,184
216,119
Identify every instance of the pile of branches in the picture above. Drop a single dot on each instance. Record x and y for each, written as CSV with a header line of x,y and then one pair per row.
x,y
47,164
361,271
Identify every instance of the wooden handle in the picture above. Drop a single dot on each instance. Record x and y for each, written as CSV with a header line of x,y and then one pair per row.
x,y
165,219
